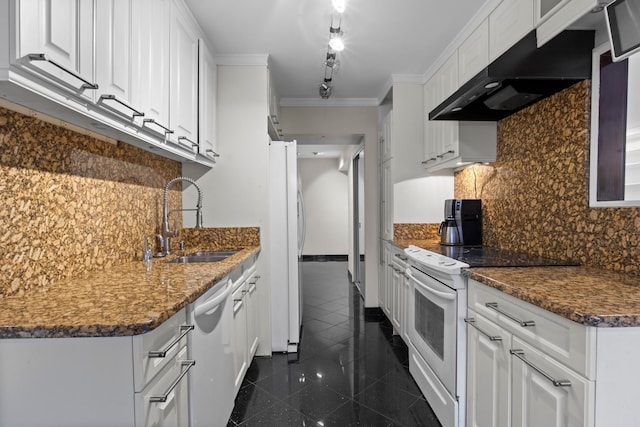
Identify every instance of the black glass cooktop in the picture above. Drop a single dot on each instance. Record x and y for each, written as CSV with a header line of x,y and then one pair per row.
x,y
483,256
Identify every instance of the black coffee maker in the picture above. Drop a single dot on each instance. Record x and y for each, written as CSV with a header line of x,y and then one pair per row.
x,y
463,222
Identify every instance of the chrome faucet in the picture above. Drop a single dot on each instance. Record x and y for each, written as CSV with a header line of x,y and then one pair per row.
x,y
167,233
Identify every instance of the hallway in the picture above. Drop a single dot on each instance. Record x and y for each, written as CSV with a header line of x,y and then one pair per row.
x,y
350,370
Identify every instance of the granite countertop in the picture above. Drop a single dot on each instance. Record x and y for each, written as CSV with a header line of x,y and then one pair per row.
x,y
129,299
589,296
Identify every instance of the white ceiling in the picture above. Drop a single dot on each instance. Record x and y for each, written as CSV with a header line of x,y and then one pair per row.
x,y
382,38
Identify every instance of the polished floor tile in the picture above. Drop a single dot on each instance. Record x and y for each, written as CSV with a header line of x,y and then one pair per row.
x,y
349,370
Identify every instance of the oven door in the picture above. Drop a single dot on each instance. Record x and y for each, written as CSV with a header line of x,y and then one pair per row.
x,y
432,325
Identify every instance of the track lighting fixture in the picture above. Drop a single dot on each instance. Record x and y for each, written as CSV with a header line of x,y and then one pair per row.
x,y
336,44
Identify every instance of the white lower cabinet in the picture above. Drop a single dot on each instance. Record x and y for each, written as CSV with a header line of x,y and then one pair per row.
x,y
245,324
240,349
547,393
252,315
393,287
95,381
160,404
488,383
513,379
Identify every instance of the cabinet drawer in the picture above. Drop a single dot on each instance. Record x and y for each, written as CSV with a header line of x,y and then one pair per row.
x,y
146,364
546,393
165,402
568,342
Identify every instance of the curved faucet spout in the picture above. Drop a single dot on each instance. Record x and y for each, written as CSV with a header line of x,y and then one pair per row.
x,y
167,233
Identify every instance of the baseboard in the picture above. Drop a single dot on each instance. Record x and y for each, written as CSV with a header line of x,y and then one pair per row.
x,y
373,314
325,258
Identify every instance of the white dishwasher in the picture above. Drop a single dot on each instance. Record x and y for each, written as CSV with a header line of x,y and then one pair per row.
x,y
211,381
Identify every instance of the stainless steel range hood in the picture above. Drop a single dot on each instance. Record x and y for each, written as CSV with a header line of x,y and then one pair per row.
x,y
521,76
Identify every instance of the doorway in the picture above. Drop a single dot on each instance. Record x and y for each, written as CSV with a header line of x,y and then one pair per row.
x,y
358,221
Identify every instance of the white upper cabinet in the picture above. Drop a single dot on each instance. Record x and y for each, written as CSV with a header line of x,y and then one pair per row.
x,y
183,95
150,63
113,56
554,16
508,23
54,38
126,69
473,53
207,103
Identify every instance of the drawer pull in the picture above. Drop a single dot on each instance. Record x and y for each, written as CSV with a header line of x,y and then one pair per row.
x,y
42,57
163,353
558,383
445,153
164,397
400,257
146,122
471,321
523,323
237,305
135,112
184,138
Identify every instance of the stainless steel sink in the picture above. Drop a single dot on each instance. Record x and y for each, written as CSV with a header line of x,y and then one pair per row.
x,y
204,256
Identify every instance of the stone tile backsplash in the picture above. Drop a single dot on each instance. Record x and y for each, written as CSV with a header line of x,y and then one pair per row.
x,y
535,196
72,203
415,231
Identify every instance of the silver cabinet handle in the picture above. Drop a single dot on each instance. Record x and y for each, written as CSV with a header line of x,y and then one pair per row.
x,y
42,57
445,153
212,153
400,256
558,383
432,159
163,353
523,323
237,305
136,113
163,398
153,122
184,138
253,287
471,321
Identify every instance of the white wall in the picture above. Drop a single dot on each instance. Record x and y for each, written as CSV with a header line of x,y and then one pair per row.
x,y
340,121
235,190
421,200
325,190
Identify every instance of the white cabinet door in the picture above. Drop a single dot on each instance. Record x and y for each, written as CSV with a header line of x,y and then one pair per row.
x,y
538,401
432,129
396,288
559,17
207,102
488,371
447,78
61,31
473,53
113,56
150,62
183,95
174,410
386,205
508,23
240,361
543,9
386,137
252,317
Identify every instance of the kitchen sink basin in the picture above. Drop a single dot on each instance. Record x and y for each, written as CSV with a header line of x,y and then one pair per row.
x,y
204,256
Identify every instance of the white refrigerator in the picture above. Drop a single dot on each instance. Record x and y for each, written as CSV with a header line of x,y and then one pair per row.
x,y
286,231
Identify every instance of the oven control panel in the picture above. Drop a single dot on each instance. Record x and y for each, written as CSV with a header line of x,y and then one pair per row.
x,y
431,260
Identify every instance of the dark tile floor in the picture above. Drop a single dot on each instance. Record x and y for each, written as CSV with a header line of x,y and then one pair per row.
x,y
349,371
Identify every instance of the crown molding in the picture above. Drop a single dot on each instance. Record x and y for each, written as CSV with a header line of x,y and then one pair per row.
x,y
332,102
